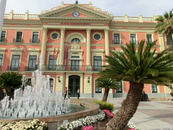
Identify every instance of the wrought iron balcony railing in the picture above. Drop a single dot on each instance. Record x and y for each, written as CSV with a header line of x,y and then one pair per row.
x,y
53,68
31,68
34,40
18,40
2,39
13,68
116,42
71,68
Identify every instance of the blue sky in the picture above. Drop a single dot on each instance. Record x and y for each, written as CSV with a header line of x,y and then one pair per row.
x,y
117,7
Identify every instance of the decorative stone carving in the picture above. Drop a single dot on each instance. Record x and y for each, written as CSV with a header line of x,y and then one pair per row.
x,y
75,45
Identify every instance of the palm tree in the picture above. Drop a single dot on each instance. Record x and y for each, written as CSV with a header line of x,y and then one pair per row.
x,y
164,25
10,81
108,84
137,65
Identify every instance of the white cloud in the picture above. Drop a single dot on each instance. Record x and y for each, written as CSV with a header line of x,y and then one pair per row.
x,y
117,7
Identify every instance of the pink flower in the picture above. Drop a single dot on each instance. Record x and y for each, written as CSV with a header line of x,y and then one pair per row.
x,y
108,113
131,129
87,128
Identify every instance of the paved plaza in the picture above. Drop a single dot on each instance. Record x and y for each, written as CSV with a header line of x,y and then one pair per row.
x,y
150,115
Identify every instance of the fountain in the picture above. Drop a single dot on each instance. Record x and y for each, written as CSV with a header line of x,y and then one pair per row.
x,y
38,102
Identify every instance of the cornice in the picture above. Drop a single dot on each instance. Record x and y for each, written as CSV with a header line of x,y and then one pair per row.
x,y
97,50
16,49
33,50
76,7
30,22
2,49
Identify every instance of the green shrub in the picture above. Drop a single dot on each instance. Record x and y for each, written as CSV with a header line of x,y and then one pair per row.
x,y
105,105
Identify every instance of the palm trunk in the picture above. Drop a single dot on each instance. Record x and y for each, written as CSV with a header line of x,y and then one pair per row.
x,y
105,96
128,108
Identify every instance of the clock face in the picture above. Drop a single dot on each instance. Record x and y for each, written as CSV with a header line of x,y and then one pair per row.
x,y
76,14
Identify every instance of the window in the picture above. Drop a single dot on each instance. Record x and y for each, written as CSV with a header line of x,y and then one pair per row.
x,y
97,63
32,63
1,56
2,39
75,40
75,64
97,89
51,84
35,37
154,88
54,36
116,39
19,37
15,62
97,37
149,38
168,42
119,83
52,63
132,38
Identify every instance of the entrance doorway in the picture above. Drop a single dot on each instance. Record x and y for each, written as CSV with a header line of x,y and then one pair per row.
x,y
74,84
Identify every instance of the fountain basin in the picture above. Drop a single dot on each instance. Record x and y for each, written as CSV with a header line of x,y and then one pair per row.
x,y
55,121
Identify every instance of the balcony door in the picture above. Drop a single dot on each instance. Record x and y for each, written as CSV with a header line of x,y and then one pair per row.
x,y
73,85
32,63
75,65
15,62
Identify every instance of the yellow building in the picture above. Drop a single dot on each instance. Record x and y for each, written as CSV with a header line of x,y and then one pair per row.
x,y
82,34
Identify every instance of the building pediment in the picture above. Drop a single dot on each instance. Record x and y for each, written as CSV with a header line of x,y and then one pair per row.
x,y
66,13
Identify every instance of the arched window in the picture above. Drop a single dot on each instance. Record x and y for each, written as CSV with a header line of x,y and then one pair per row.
x,y
75,40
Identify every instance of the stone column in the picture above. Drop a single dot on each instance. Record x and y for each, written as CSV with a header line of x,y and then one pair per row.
x,y
43,45
88,52
106,41
61,56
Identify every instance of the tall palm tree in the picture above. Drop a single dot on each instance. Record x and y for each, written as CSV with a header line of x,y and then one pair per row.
x,y
108,84
165,24
10,81
137,65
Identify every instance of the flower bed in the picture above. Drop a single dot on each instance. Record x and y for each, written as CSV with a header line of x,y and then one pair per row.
x,y
24,125
94,122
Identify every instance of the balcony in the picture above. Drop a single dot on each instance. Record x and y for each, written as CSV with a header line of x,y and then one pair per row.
x,y
31,68
34,40
65,68
53,68
2,39
13,68
116,42
20,40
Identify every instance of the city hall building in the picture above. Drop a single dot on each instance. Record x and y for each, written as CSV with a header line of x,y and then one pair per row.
x,y
73,40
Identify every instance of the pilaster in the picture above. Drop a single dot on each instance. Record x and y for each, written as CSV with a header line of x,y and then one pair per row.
x,y
88,55
61,57
43,46
106,41
161,42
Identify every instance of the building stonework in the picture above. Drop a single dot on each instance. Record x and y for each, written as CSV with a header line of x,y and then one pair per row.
x,y
82,35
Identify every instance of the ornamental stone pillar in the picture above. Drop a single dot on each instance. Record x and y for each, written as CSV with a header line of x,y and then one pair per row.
x,y
106,41
88,53
61,56
43,46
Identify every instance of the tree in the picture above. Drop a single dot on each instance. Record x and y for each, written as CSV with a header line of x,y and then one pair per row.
x,y
108,84
10,81
164,25
137,65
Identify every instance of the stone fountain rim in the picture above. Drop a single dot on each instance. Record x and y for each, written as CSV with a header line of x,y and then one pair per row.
x,y
93,109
